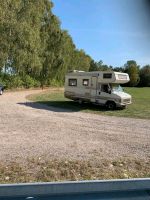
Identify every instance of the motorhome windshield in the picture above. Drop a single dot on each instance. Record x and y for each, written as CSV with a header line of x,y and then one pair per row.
x,y
116,88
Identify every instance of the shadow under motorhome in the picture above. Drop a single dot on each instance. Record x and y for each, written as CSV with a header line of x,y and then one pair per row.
x,y
99,87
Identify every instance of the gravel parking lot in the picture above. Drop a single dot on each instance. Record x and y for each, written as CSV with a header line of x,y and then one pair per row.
x,y
31,130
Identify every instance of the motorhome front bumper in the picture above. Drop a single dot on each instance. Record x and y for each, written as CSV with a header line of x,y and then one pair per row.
x,y
124,102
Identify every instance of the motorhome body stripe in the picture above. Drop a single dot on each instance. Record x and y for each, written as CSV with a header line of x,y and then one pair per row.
x,y
75,95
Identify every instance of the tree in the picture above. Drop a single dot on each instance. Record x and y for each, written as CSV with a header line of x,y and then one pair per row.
x,y
132,69
145,76
8,23
99,66
20,35
50,37
119,69
33,46
80,60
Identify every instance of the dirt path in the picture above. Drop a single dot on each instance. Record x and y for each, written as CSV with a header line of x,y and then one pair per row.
x,y
30,130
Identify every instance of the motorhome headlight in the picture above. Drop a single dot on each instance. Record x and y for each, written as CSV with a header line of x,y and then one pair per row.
x,y
127,100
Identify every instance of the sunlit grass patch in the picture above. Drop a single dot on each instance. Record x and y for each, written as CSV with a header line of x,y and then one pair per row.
x,y
140,108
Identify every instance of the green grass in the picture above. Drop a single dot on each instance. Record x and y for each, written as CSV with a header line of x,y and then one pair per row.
x,y
140,108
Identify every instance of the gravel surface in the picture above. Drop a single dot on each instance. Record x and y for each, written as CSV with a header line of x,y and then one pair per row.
x,y
31,130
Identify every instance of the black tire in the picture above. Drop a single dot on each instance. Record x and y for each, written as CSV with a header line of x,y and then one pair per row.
x,y
111,105
80,101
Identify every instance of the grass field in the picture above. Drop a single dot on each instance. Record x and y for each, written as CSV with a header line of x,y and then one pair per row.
x,y
140,108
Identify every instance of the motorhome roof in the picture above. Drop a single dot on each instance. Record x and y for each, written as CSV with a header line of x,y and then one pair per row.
x,y
93,72
83,73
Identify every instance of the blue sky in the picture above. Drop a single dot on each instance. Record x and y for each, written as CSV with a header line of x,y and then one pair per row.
x,y
110,30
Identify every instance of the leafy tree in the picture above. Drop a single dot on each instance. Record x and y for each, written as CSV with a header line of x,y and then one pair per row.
x,y
145,76
119,69
20,35
99,66
80,60
7,31
93,66
132,69
50,37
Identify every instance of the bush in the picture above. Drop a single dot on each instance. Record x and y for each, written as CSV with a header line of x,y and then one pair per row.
x,y
11,81
29,82
55,83
15,81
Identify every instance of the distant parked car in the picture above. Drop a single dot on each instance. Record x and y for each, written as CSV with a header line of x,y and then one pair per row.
x,y
1,89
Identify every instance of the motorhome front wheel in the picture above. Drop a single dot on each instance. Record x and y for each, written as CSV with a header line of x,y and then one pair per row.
x,y
111,105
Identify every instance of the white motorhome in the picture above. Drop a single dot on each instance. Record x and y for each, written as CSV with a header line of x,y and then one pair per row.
x,y
99,87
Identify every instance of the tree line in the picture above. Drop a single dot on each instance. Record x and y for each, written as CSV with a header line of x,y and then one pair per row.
x,y
36,52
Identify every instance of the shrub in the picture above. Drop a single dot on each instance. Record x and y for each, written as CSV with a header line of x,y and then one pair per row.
x,y
29,82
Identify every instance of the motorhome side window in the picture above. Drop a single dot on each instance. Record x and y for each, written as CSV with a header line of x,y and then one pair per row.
x,y
107,75
72,82
104,88
85,82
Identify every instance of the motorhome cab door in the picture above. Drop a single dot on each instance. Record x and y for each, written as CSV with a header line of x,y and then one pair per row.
x,y
93,88
103,93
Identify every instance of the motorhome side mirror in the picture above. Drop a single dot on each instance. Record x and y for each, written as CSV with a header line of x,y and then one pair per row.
x,y
109,90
